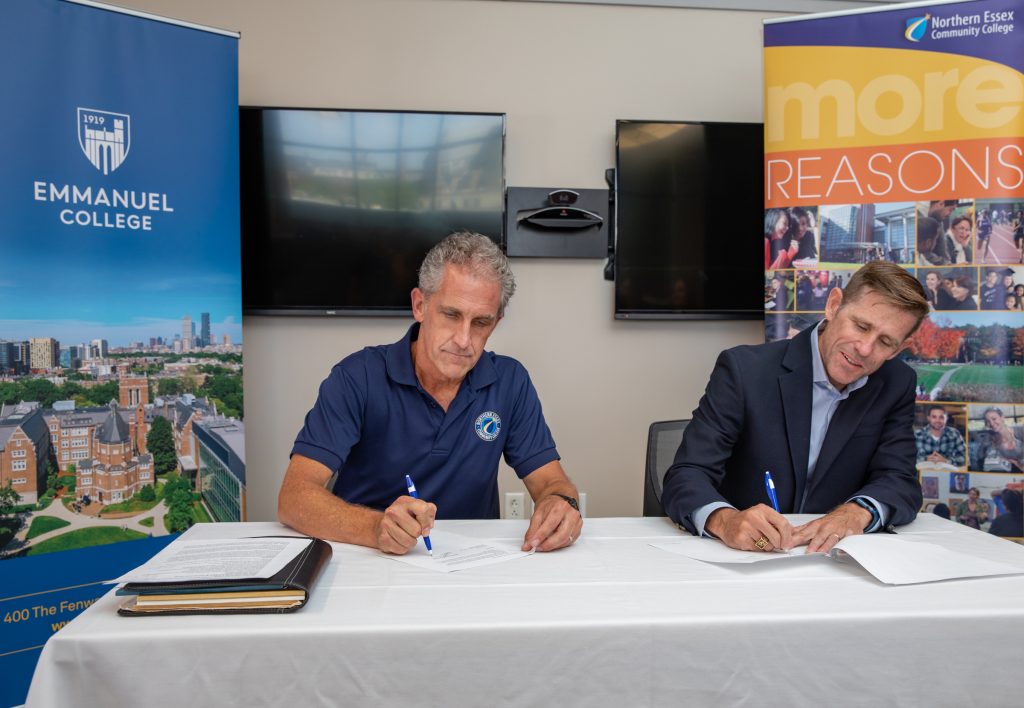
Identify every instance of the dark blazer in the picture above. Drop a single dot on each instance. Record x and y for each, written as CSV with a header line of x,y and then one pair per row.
x,y
755,415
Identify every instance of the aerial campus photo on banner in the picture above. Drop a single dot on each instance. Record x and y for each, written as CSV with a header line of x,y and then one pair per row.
x,y
117,429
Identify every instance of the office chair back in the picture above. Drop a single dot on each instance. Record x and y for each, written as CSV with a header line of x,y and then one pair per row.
x,y
663,439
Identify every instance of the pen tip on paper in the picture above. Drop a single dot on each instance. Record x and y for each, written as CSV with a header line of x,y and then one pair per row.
x,y
430,553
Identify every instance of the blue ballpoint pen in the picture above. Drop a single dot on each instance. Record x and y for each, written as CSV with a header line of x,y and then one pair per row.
x,y
412,493
769,485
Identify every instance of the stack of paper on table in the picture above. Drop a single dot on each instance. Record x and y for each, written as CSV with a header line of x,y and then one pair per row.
x,y
250,575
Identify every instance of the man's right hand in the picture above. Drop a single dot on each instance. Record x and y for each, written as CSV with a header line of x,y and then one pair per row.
x,y
402,524
743,529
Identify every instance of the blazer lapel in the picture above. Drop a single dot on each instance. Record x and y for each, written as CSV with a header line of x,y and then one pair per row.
x,y
795,388
843,425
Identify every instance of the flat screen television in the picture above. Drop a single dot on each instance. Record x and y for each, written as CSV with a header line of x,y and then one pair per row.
x,y
340,206
689,205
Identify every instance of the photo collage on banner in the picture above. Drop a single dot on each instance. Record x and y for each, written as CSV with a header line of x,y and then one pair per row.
x,y
121,416
939,193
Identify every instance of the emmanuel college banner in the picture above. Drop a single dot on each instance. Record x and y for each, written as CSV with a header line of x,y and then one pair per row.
x,y
120,304
898,134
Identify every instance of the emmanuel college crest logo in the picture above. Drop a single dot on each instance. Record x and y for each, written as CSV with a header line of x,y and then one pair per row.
x,y
105,137
488,425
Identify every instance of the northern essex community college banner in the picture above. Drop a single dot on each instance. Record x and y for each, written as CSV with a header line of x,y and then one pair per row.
x,y
120,304
897,134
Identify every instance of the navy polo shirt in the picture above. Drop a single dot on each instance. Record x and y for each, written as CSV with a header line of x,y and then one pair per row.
x,y
373,424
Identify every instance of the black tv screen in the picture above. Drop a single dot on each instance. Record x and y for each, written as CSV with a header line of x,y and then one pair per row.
x,y
340,206
689,204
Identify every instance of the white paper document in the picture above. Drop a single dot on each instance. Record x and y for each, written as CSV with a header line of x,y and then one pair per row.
x,y
228,559
711,550
890,559
454,552
898,562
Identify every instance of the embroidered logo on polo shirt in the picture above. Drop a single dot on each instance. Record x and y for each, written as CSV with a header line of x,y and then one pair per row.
x,y
488,425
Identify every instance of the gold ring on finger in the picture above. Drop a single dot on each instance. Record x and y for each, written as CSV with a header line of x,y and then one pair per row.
x,y
762,543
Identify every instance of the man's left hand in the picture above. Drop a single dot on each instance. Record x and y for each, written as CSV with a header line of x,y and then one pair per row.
x,y
821,534
554,524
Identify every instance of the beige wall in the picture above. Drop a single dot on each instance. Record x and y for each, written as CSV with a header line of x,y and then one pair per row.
x,y
601,382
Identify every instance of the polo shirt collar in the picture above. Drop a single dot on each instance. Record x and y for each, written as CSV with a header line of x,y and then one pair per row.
x,y
401,370
399,358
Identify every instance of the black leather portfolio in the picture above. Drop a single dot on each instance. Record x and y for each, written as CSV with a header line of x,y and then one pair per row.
x,y
285,591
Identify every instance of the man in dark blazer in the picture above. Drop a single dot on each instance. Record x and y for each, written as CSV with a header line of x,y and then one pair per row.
x,y
829,413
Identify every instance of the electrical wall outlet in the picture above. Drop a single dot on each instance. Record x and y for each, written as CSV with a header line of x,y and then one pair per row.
x,y
583,504
515,505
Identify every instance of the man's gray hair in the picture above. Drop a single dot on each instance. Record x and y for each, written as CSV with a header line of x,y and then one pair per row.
x,y
468,250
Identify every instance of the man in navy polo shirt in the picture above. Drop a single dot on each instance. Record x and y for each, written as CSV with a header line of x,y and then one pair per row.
x,y
434,406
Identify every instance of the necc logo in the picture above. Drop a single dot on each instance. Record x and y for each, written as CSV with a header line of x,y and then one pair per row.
x,y
487,426
916,27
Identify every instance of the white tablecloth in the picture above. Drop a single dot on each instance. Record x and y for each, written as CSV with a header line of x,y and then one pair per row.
x,y
611,621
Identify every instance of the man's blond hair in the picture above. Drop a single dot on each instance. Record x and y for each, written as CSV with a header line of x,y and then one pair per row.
x,y
893,284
